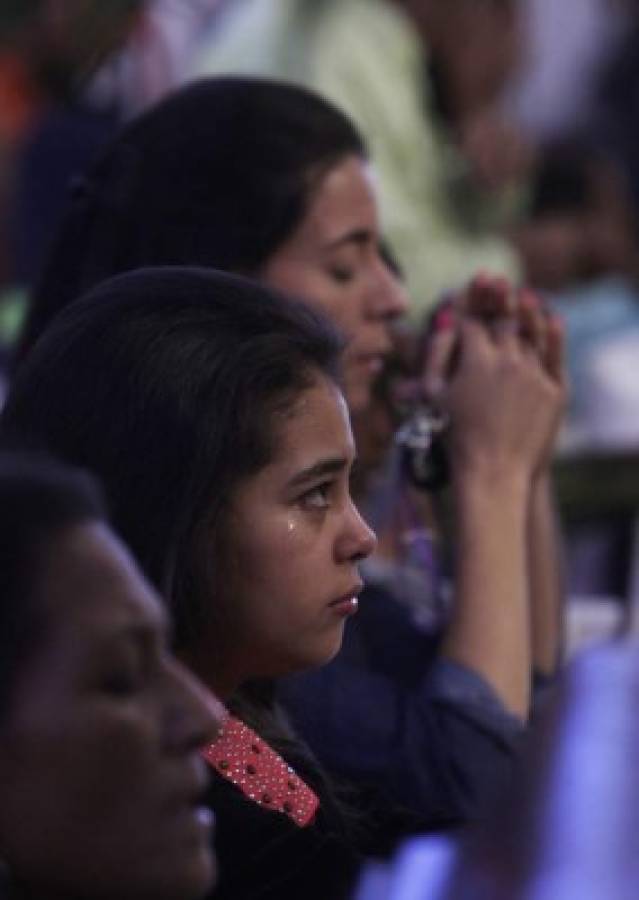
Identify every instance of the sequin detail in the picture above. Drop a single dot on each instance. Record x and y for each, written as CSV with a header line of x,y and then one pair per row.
x,y
242,757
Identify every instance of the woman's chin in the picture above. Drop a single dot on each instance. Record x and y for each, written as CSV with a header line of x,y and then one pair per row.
x,y
358,396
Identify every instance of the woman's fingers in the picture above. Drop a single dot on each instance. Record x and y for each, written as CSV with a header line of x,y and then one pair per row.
x,y
488,297
507,313
502,402
554,356
532,321
440,352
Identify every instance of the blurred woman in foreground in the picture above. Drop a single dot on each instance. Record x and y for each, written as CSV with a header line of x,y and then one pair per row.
x,y
100,726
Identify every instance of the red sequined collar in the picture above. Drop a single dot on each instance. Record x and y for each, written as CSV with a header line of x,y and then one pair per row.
x,y
241,756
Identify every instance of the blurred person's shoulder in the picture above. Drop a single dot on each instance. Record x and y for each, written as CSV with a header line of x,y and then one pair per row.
x,y
291,39
372,25
251,37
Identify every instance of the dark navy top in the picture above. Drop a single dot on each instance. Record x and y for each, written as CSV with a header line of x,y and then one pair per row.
x,y
389,712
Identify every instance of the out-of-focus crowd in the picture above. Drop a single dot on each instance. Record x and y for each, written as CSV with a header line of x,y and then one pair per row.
x,y
503,133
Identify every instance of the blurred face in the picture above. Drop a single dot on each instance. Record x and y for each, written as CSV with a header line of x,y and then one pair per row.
x,y
79,34
333,262
294,542
100,776
481,48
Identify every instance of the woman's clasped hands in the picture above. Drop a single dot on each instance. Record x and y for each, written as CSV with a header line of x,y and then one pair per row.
x,y
494,365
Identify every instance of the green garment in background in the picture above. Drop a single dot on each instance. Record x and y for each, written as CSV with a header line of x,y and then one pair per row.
x,y
366,56
13,306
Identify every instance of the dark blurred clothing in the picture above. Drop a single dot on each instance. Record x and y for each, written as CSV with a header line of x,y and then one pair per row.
x,y
263,854
388,712
59,147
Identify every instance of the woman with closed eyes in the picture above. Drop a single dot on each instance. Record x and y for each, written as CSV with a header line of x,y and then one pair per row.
x,y
101,778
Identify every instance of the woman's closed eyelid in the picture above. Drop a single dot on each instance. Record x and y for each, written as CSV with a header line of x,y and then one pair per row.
x,y
346,259
123,680
132,667
342,273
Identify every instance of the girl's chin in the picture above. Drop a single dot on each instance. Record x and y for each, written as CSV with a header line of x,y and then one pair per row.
x,y
315,659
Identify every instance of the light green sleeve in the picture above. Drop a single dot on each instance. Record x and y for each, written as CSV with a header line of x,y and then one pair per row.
x,y
368,61
364,55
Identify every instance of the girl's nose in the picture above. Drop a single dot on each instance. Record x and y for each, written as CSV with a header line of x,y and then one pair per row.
x,y
358,539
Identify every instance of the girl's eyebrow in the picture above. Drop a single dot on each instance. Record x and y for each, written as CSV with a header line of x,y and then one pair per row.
x,y
331,466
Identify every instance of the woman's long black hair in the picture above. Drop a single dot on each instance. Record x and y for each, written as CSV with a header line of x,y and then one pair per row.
x,y
219,175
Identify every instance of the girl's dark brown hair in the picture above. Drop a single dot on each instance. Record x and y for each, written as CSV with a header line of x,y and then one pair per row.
x,y
164,382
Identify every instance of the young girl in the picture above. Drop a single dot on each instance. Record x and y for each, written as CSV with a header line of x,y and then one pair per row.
x,y
209,407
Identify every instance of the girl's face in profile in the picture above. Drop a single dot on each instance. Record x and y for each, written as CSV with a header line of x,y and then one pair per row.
x,y
333,261
293,543
100,776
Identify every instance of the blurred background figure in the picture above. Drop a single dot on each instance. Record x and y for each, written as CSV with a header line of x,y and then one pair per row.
x,y
570,829
423,80
48,50
566,48
156,57
70,73
48,129
575,95
581,240
549,844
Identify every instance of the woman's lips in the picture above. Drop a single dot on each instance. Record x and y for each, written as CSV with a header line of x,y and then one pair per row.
x,y
372,362
194,823
192,813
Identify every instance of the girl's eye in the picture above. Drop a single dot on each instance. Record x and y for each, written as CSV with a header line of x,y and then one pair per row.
x,y
317,497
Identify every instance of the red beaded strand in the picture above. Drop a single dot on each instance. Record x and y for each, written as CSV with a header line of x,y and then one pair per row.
x,y
242,757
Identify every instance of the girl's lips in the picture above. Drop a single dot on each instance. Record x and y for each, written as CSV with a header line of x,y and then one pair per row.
x,y
346,607
347,604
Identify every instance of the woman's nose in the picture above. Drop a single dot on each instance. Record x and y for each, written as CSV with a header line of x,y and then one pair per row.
x,y
389,298
196,715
